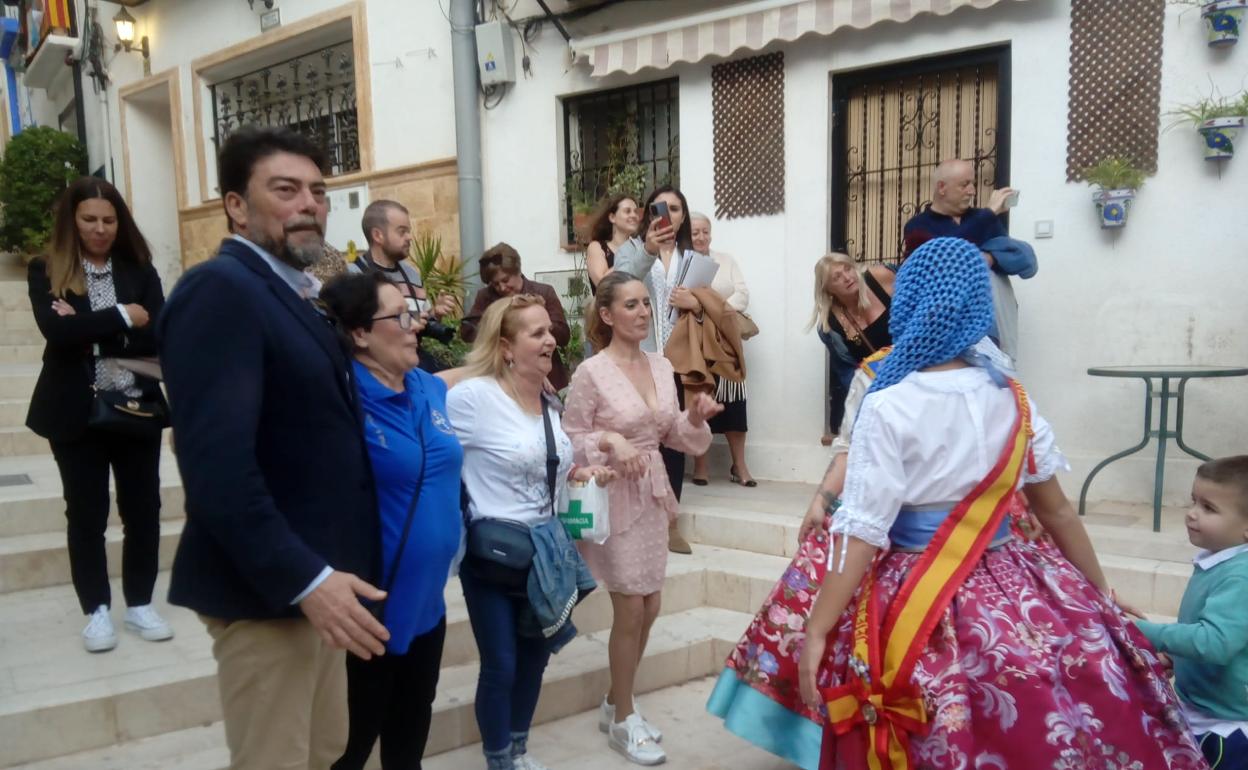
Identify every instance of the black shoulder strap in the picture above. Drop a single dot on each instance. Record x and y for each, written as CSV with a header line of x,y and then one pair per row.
x,y
877,289
552,456
411,507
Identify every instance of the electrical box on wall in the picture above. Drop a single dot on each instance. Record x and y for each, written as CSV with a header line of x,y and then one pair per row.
x,y
496,56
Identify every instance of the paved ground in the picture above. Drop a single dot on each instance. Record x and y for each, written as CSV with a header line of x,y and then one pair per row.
x,y
693,739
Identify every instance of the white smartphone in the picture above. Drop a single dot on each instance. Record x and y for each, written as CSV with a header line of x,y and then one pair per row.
x,y
1012,201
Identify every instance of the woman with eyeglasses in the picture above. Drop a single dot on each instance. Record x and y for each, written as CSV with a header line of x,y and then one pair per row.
x,y
416,462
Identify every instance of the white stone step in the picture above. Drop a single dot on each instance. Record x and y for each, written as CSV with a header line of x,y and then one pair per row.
x,y
13,412
19,440
698,740
18,380
765,519
56,699
570,743
21,335
41,560
1147,569
14,294
195,748
21,318
12,268
21,354
31,500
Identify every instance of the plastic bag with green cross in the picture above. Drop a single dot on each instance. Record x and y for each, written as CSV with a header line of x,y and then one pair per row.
x,y
585,512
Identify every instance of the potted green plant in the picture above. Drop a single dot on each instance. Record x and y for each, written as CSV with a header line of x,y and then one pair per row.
x,y
1117,179
580,195
629,179
38,164
1223,21
1218,120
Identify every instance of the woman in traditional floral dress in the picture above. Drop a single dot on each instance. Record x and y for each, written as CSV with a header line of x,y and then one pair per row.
x,y
757,693
939,640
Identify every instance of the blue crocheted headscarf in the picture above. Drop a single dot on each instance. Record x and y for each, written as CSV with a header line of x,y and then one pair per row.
x,y
942,305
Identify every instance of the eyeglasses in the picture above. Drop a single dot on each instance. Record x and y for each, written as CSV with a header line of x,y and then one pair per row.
x,y
406,319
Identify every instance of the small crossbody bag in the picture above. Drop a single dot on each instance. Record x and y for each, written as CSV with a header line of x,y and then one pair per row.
x,y
501,551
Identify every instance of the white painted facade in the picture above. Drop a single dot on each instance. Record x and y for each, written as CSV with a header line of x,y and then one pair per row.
x,y
1167,289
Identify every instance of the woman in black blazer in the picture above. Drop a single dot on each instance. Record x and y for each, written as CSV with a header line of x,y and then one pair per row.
x,y
96,296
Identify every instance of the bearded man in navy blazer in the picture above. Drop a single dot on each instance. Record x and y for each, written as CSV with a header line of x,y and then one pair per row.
x,y
281,533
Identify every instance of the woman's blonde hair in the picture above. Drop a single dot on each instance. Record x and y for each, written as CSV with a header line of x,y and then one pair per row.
x,y
500,322
825,302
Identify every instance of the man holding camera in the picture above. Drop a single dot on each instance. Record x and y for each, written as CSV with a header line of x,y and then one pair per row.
x,y
388,231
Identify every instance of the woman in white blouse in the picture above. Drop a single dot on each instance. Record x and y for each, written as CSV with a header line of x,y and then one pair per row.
x,y
497,414
1029,662
729,283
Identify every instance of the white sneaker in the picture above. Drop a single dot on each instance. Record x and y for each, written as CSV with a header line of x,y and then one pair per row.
x,y
99,635
606,716
525,762
633,740
147,624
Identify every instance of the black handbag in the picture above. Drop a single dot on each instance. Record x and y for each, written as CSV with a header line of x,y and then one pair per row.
x,y
115,412
500,551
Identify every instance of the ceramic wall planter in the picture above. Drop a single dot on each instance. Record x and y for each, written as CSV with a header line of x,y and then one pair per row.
x,y
1223,21
1219,135
1113,205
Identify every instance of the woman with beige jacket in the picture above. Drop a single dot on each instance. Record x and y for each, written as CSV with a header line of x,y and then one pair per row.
x,y
729,283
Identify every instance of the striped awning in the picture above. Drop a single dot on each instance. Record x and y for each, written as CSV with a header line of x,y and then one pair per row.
x,y
750,25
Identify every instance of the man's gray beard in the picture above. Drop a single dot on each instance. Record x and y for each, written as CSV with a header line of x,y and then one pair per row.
x,y
302,257
298,257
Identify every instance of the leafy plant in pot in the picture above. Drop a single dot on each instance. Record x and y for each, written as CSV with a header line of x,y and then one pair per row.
x,y
583,204
1117,180
1217,120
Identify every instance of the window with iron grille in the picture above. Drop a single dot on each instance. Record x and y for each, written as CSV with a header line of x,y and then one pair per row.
x,y
626,140
313,94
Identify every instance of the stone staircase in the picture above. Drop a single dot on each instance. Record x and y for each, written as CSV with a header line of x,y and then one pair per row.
x,y
148,705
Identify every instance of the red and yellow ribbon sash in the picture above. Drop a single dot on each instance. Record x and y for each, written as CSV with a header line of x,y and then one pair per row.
x,y
881,696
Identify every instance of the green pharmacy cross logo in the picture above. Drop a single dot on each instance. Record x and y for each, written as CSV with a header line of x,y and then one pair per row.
x,y
576,520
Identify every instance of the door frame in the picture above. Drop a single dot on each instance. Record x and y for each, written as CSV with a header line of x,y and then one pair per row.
x,y
843,82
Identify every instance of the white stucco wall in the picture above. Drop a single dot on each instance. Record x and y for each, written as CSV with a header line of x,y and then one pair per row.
x,y
1167,289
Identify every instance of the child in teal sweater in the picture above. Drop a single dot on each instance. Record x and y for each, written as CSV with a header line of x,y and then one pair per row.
x,y
1209,643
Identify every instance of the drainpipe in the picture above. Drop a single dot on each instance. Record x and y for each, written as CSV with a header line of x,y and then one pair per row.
x,y
467,131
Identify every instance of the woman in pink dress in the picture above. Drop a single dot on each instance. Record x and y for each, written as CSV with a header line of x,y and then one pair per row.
x,y
621,408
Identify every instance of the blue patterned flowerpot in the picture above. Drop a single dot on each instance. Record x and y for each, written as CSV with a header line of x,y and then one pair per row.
x,y
1113,205
1219,135
1223,20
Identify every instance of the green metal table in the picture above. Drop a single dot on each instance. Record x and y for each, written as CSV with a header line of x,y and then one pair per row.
x,y
1163,374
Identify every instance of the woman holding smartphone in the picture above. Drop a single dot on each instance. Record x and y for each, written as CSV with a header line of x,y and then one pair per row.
x,y
656,262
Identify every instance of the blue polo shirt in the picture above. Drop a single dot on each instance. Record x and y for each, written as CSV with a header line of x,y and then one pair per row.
x,y
402,430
